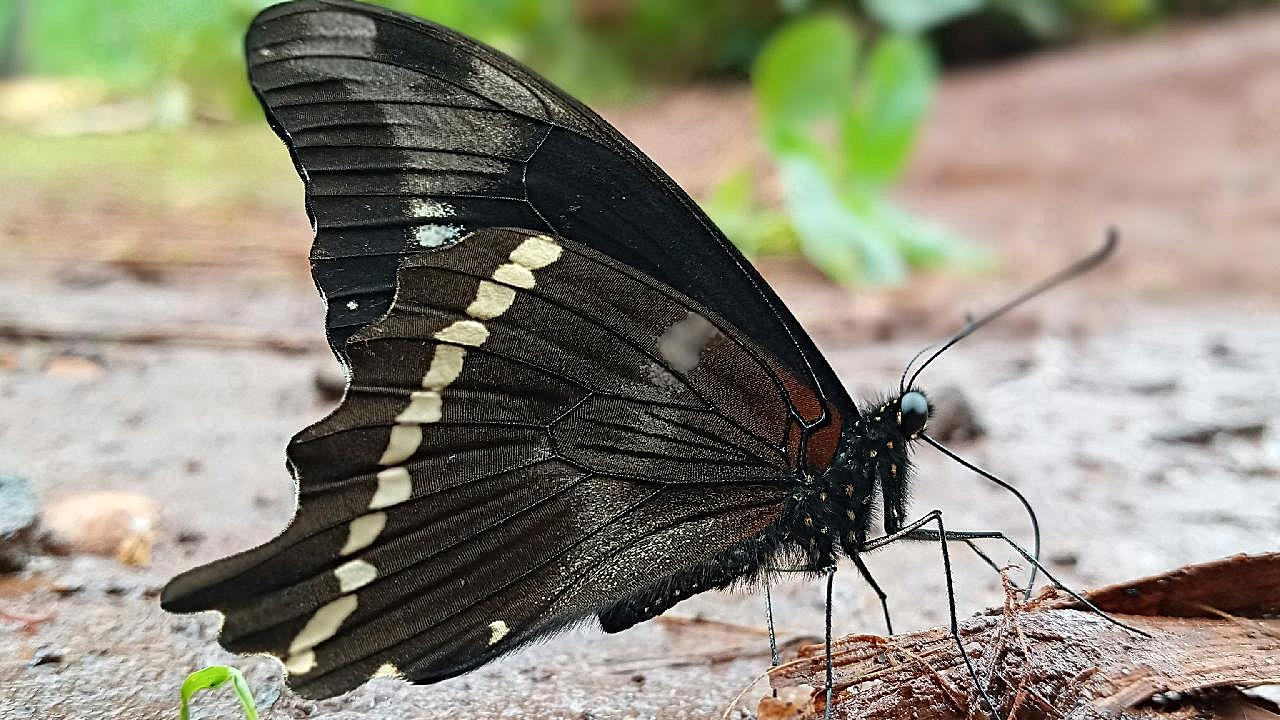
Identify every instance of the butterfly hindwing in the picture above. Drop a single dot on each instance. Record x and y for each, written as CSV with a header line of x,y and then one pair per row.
x,y
533,434
409,135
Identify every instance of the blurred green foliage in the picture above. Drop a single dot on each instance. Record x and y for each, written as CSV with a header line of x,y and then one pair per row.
x,y
840,122
604,49
842,86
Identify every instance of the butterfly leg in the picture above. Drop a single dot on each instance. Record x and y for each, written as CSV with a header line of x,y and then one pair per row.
x,y
967,537
909,532
773,635
875,587
831,575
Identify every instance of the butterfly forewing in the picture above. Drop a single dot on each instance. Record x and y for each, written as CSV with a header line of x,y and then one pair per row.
x,y
409,135
532,434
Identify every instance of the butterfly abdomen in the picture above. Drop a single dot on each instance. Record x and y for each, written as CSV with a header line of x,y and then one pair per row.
x,y
741,564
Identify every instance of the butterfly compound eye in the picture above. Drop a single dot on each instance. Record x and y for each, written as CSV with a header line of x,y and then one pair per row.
x,y
914,413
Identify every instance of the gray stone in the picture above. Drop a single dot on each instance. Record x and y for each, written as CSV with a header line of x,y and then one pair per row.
x,y
19,515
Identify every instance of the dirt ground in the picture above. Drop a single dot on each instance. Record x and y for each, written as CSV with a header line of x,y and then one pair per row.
x,y
1136,409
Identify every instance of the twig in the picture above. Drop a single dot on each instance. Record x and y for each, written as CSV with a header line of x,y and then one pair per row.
x,y
1075,665
215,337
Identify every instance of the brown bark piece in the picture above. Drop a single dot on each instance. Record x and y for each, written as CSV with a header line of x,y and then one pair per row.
x,y
1213,629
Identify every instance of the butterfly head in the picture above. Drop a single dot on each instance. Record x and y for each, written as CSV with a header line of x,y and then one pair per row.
x,y
913,414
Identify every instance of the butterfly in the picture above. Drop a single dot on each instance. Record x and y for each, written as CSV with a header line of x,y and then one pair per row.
x,y
570,398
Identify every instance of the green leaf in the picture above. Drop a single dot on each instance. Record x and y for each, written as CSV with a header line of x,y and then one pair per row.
x,y
212,677
804,74
924,244
833,235
1046,19
895,96
917,16
731,206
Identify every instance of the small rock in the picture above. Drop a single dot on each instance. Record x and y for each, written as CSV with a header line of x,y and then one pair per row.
x,y
69,585
1065,559
73,367
330,382
114,524
1202,433
954,419
1155,386
1219,348
19,513
46,655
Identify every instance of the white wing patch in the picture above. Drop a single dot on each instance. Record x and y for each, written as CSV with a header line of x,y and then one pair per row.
x,y
430,208
681,345
431,236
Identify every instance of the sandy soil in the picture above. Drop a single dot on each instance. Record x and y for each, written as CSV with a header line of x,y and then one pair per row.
x,y
1084,397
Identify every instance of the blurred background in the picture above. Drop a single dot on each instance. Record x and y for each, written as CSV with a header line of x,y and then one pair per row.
x,y
891,165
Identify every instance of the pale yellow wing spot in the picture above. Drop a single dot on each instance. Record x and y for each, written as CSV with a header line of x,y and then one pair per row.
x,y
536,252
491,300
424,407
355,575
402,444
301,663
513,274
362,532
394,487
446,365
497,630
464,332
324,624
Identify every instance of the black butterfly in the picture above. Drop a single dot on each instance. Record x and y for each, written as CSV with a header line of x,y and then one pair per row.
x,y
570,396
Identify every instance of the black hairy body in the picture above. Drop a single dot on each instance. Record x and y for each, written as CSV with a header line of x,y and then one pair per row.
x,y
827,516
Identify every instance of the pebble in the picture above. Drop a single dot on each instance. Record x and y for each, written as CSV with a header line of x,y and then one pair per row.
x,y
112,524
73,367
330,382
954,419
19,515
1202,433
46,655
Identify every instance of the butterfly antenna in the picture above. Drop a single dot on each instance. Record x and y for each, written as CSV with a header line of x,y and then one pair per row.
x,y
1074,270
1031,513
902,381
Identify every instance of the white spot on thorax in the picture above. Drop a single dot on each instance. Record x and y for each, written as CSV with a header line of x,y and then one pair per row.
x,y
497,630
353,305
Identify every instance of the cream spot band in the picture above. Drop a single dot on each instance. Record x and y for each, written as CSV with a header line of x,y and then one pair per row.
x,y
426,406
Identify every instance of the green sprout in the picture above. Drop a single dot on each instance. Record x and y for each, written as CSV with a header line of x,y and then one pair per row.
x,y
212,677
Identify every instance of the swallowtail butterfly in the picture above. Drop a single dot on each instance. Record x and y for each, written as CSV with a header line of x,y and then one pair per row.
x,y
570,397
